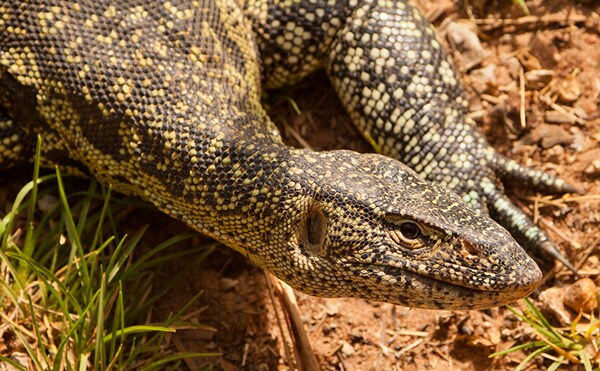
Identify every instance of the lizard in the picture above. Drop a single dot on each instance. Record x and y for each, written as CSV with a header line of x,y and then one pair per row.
x,y
162,100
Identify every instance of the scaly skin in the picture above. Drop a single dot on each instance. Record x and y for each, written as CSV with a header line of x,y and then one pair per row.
x,y
162,100
403,93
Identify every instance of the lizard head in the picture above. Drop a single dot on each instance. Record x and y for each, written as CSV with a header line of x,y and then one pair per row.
x,y
367,226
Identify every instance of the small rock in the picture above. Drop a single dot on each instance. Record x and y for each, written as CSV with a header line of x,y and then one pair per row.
x,y
593,169
552,135
582,296
555,154
558,117
464,36
346,349
506,333
332,308
466,330
580,139
484,78
552,300
522,145
494,336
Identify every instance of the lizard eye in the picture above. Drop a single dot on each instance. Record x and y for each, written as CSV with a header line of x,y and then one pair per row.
x,y
410,230
405,232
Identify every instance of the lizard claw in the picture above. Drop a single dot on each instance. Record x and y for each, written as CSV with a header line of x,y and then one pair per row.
x,y
552,250
529,235
510,169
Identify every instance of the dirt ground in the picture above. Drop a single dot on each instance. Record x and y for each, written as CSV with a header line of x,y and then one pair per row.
x,y
547,67
534,88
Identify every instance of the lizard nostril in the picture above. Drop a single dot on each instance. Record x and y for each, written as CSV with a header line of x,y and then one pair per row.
x,y
470,248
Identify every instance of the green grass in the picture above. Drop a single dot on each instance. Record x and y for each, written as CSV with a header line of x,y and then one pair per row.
x,y
70,296
579,344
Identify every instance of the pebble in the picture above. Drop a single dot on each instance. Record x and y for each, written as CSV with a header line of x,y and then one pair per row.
x,y
466,330
347,349
555,154
593,169
494,336
552,135
552,300
579,142
484,78
582,296
558,117
464,36
332,308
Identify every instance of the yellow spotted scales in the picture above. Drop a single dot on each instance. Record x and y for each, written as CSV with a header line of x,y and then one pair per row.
x,y
161,99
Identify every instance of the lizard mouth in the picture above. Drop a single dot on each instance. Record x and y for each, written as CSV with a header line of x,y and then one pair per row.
x,y
520,277
438,294
466,288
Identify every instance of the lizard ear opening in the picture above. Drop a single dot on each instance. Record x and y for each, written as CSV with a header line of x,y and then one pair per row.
x,y
315,231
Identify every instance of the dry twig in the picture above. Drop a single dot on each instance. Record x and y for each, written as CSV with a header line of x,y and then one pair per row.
x,y
554,19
